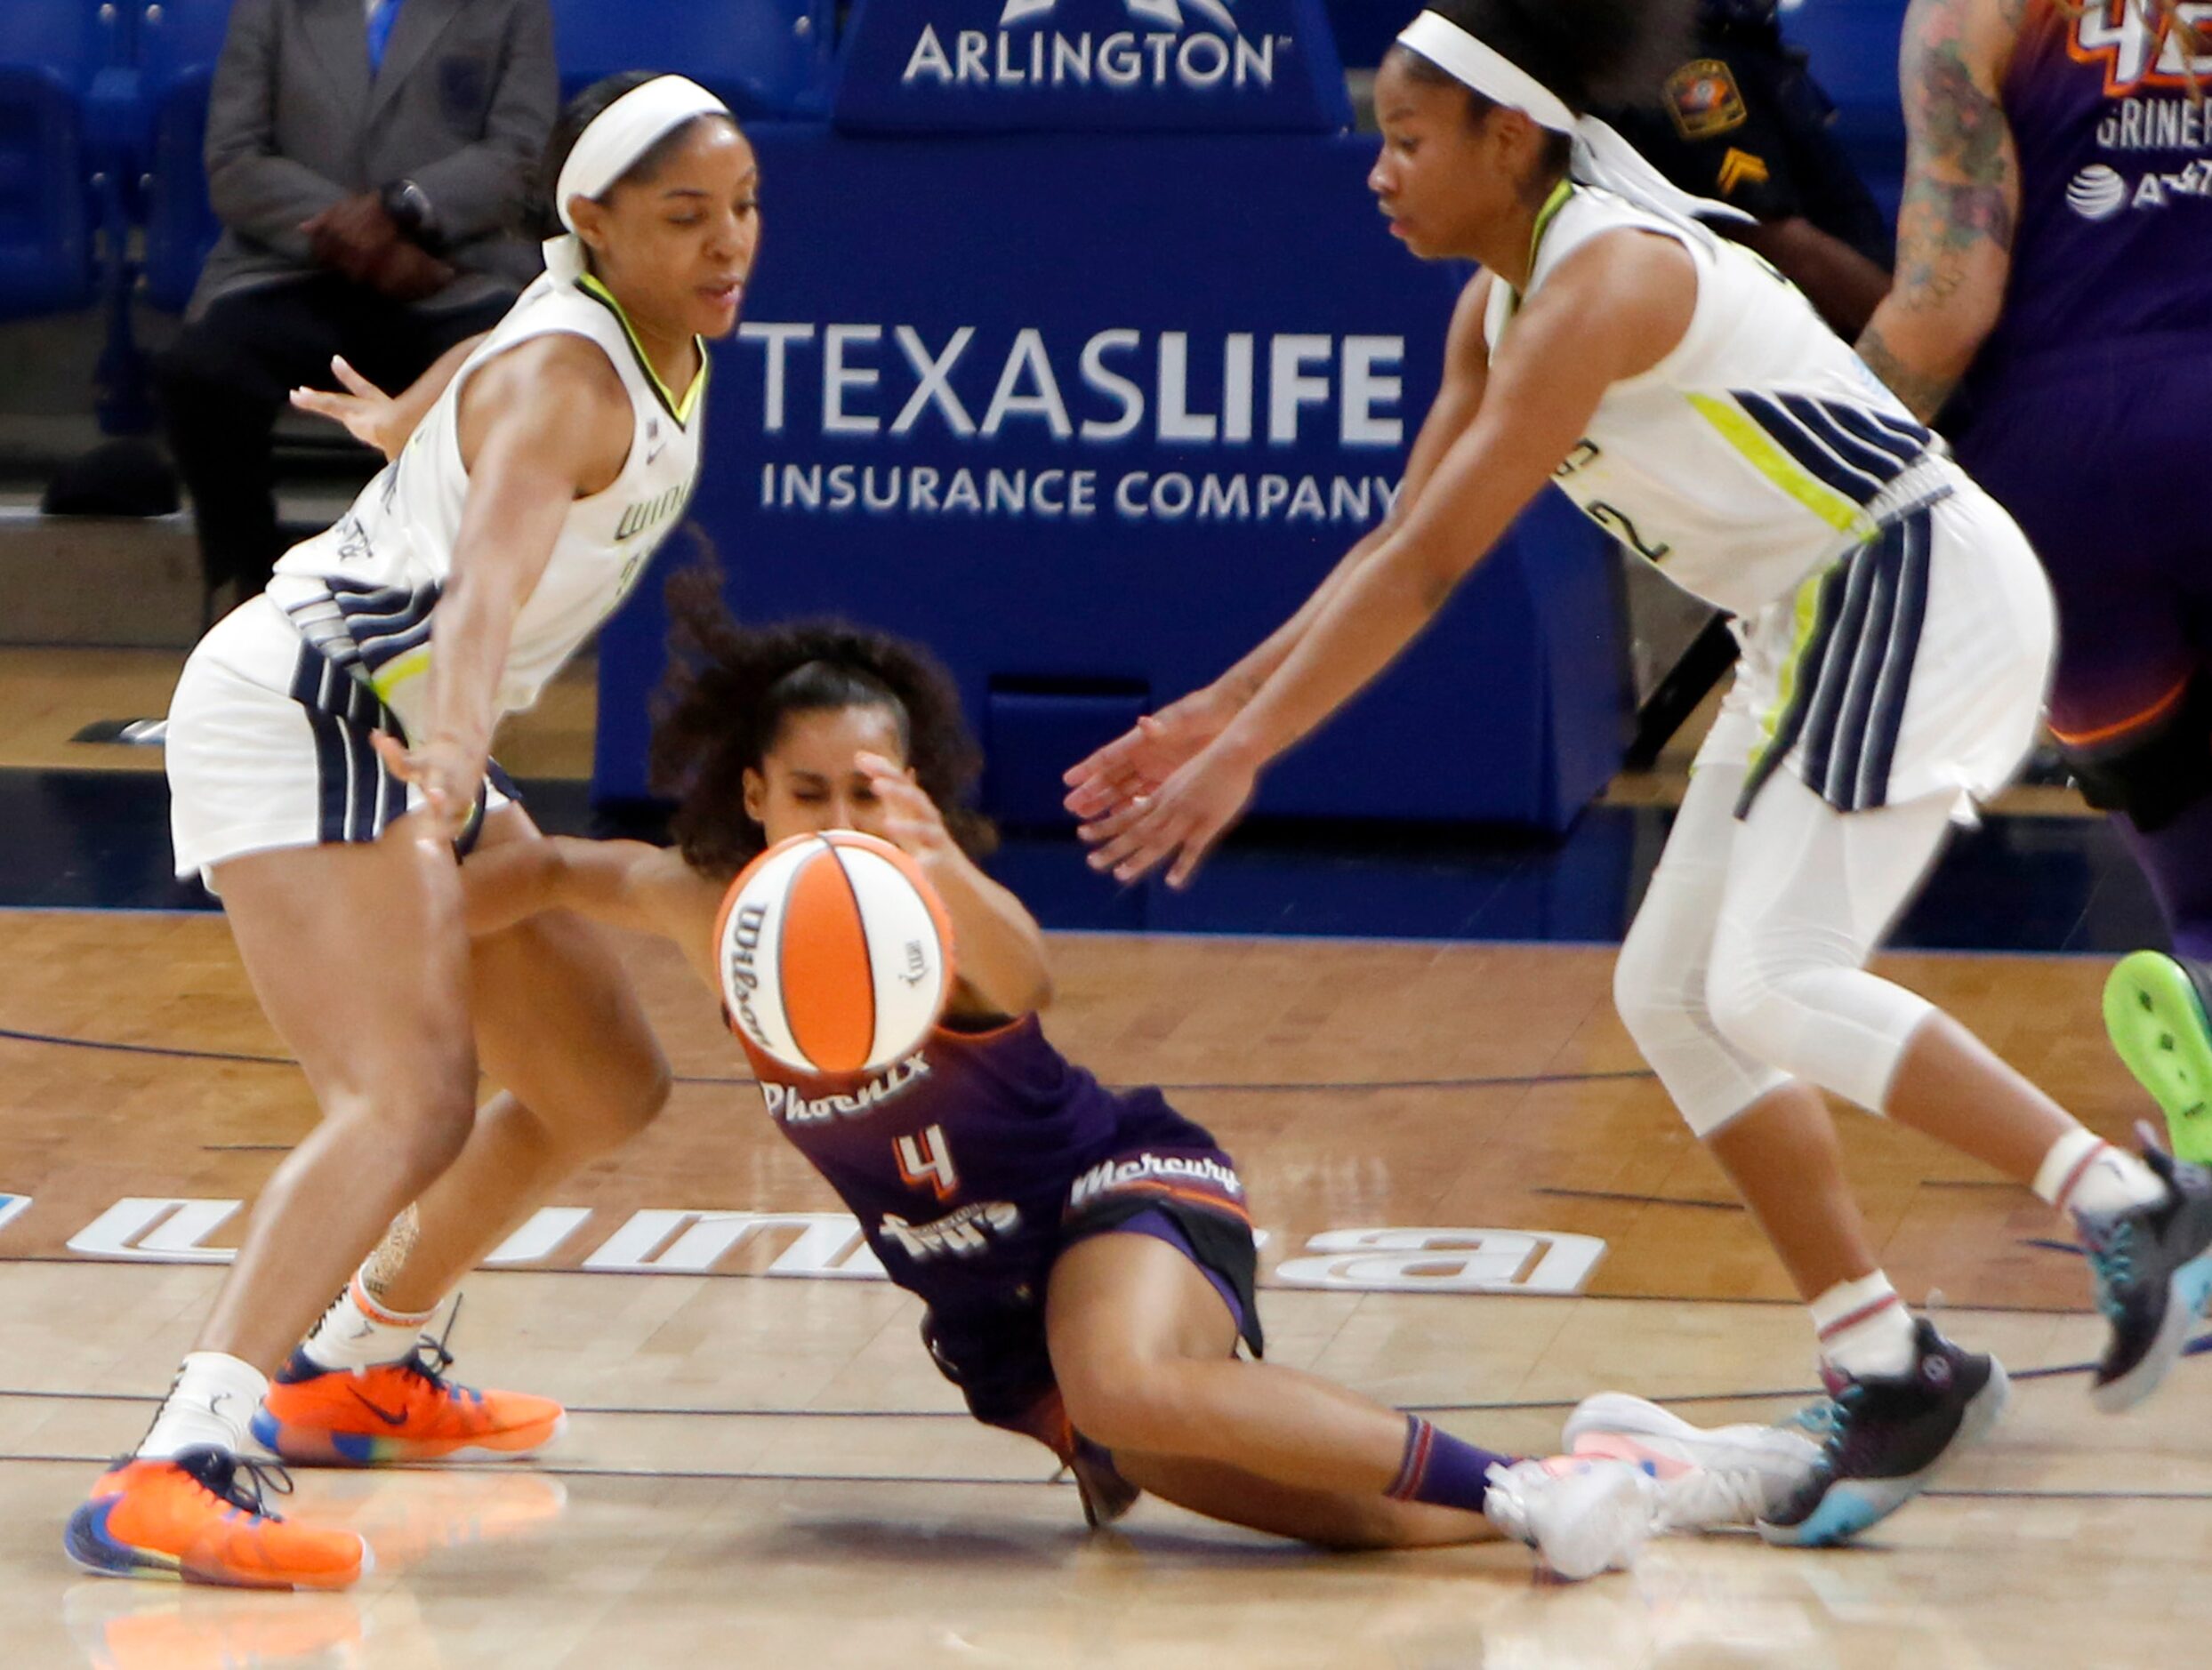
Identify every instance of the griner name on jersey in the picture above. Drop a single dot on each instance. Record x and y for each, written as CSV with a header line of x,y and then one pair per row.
x,y
2157,124
786,1104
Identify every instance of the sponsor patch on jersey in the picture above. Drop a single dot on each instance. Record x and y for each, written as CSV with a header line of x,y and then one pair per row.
x,y
1703,100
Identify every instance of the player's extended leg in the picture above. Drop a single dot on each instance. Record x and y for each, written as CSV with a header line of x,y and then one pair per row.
x,y
1774,1137
557,1023
1143,1347
1811,892
360,959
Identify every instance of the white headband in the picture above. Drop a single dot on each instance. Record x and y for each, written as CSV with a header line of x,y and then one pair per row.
x,y
609,147
1601,157
1486,69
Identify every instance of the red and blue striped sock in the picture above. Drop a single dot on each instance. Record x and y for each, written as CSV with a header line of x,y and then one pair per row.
x,y
1442,1470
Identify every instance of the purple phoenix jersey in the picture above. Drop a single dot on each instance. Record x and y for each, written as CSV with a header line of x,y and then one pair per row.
x,y
963,1160
2115,235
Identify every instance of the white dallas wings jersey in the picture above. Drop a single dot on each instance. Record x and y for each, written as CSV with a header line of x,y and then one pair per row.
x,y
1756,451
362,590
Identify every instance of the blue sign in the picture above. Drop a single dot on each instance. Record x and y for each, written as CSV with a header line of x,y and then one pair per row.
x,y
1006,66
1090,415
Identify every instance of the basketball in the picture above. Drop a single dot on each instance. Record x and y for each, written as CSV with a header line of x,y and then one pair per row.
x,y
834,954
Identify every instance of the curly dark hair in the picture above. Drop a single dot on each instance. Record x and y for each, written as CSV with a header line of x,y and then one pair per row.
x,y
730,688
1593,53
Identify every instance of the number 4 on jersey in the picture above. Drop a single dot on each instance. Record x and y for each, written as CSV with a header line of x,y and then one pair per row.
x,y
925,1161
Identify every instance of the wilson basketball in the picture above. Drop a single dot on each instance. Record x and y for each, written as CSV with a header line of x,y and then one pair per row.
x,y
834,954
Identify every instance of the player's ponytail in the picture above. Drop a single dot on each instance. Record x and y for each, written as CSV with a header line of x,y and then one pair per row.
x,y
1590,52
731,689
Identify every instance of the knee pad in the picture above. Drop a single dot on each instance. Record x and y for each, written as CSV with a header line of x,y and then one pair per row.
x,y
1833,1026
2155,774
1663,1008
1752,1008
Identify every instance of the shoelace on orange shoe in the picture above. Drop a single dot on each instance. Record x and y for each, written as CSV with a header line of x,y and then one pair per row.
x,y
429,1359
217,1472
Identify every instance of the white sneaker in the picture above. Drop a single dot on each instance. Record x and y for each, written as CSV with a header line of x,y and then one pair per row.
x,y
1580,1517
1709,1478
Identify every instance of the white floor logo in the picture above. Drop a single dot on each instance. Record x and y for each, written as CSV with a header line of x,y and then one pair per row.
x,y
828,1246
1159,50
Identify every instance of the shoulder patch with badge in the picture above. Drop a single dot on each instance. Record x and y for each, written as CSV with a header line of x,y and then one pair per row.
x,y
1703,100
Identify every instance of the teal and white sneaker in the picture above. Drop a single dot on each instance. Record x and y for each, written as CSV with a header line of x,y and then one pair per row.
x,y
2155,1010
2152,1267
1884,1438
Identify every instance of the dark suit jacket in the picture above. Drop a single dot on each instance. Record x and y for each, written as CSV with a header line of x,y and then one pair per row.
x,y
462,107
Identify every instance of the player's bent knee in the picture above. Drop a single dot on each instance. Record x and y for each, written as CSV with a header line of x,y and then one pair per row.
x,y
1753,1012
422,1125
1126,1404
648,1095
1651,1008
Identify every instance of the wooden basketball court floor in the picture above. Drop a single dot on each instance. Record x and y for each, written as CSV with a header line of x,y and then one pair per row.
x,y
1476,1202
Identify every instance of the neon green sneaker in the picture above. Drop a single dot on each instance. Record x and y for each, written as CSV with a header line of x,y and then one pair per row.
x,y
2155,1011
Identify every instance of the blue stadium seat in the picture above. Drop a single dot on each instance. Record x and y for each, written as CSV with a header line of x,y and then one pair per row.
x,y
1851,47
763,57
178,43
52,52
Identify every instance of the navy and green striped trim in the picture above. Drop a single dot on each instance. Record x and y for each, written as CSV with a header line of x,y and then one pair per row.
x,y
1852,671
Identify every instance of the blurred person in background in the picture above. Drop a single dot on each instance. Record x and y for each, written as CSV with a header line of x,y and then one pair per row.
x,y
1743,122
2053,247
369,160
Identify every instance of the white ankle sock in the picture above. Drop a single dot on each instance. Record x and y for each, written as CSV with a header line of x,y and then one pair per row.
x,y
213,1397
356,1332
2084,1172
1864,1327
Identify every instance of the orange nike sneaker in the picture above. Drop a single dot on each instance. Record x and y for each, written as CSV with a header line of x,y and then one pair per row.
x,y
397,1411
199,1517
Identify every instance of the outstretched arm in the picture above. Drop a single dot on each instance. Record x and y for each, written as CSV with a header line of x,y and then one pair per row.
x,y
542,425
998,947
1961,203
1138,761
1612,310
619,884
377,419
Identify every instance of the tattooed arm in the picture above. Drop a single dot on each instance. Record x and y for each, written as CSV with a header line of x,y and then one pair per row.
x,y
1961,201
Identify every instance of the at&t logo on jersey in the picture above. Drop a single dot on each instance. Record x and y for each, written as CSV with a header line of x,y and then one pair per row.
x,y
2098,193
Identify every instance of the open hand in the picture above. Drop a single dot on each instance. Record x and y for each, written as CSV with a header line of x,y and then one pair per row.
x,y
370,416
1181,820
911,819
1144,757
448,773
